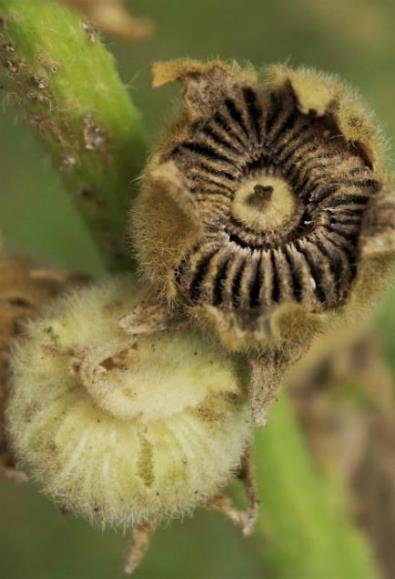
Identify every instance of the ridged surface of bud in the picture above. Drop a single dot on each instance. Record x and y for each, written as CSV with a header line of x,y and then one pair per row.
x,y
124,429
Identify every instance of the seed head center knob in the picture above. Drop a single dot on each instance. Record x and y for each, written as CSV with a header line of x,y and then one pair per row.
x,y
264,203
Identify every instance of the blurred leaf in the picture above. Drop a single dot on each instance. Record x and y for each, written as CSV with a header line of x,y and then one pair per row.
x,y
111,16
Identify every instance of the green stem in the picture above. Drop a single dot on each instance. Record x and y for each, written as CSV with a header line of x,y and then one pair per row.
x,y
65,81
303,531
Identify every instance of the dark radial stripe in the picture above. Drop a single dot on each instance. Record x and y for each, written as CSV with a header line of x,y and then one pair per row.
x,y
345,221
316,272
220,279
212,194
179,271
311,185
313,162
355,211
336,265
274,110
348,251
337,240
235,238
345,184
212,134
236,116
262,162
322,194
276,280
182,266
199,275
296,140
286,124
349,233
203,188
204,180
214,212
212,198
349,199
342,239
296,277
352,220
291,166
254,111
206,151
236,284
290,140
319,189
203,167
307,174
239,225
256,284
362,183
301,152
221,121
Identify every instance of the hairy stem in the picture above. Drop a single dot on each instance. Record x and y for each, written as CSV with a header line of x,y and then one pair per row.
x,y
303,530
66,84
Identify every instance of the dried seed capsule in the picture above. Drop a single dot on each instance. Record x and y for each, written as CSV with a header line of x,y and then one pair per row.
x,y
257,212
123,430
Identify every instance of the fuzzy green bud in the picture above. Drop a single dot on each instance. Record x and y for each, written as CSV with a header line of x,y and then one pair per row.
x,y
124,429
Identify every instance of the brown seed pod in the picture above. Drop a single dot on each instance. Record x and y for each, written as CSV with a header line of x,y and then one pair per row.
x,y
268,211
258,197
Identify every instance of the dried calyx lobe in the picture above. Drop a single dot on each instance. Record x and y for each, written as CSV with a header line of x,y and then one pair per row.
x,y
281,196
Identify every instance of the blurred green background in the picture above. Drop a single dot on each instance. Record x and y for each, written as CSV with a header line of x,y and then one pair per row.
x,y
351,37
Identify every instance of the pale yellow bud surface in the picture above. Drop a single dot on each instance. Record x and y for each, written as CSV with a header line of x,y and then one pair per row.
x,y
124,429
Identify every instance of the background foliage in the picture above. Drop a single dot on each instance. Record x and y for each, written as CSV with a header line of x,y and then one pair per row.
x,y
353,38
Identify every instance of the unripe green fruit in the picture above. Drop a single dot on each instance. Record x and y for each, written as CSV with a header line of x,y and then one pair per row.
x,y
124,429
